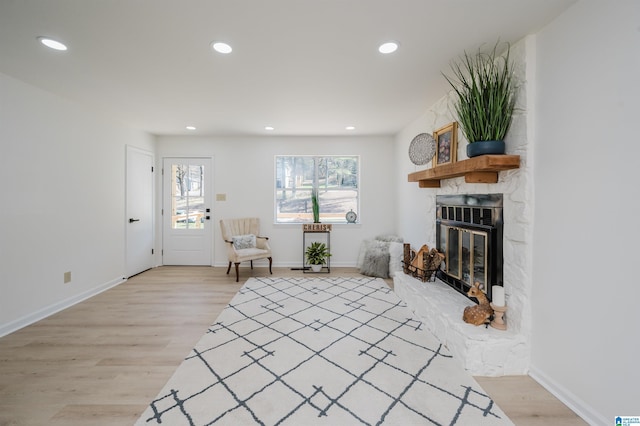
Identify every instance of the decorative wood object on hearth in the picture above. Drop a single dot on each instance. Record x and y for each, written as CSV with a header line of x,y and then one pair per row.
x,y
481,313
422,264
418,258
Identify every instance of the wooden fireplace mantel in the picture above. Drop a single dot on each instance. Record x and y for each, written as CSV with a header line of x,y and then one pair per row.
x,y
481,169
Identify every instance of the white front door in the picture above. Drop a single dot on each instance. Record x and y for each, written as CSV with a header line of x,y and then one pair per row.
x,y
139,211
187,234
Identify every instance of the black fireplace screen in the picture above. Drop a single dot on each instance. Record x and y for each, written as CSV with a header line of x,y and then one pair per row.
x,y
469,233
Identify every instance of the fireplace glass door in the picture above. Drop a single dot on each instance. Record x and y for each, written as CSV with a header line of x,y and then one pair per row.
x,y
466,254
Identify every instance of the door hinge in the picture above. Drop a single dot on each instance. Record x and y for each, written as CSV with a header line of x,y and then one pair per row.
x,y
151,169
151,251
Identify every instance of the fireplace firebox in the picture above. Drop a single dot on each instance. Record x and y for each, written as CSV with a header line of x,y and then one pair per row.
x,y
469,233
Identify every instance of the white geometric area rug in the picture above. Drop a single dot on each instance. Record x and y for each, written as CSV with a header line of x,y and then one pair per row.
x,y
320,351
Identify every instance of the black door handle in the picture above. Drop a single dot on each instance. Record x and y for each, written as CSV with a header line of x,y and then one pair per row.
x,y
131,220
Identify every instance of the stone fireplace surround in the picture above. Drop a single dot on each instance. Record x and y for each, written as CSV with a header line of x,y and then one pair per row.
x,y
482,351
485,351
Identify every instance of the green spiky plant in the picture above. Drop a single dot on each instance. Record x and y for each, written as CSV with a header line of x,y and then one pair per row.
x,y
315,205
485,94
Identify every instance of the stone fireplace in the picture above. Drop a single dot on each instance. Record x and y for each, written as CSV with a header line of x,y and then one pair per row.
x,y
484,211
472,232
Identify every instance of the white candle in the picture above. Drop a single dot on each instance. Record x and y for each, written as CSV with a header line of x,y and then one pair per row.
x,y
497,295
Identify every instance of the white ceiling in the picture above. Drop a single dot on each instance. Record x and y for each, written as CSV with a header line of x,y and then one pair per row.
x,y
305,67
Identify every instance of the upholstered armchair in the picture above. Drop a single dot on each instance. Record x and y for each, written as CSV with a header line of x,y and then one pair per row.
x,y
243,241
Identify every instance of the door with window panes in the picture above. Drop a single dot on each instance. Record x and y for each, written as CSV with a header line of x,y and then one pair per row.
x,y
186,214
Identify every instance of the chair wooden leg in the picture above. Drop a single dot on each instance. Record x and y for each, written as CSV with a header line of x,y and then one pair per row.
x,y
237,272
270,261
229,268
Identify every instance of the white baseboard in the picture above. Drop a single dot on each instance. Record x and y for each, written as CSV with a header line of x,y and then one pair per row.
x,y
57,307
587,413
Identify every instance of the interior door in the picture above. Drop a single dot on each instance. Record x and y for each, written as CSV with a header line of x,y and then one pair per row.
x,y
139,211
186,214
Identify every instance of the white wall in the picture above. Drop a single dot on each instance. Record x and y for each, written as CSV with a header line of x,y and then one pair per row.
x,y
413,202
62,174
586,291
244,171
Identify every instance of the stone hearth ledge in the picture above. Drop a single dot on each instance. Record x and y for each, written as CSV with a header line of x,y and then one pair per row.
x,y
482,351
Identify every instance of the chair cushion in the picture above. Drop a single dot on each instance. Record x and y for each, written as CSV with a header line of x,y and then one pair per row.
x,y
250,254
241,242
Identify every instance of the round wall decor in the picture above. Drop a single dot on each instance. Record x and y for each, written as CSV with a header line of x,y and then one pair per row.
x,y
422,149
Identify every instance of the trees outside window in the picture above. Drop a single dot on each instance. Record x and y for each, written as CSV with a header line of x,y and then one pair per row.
x,y
335,177
187,196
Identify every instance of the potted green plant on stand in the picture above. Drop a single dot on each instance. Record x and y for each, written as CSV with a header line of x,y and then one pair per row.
x,y
317,254
485,96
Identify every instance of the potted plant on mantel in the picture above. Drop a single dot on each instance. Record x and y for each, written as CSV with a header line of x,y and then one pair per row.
x,y
317,254
485,93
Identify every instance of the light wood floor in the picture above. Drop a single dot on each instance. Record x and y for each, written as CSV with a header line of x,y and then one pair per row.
x,y
102,361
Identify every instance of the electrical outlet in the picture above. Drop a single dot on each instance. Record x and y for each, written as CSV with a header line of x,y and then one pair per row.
x,y
67,277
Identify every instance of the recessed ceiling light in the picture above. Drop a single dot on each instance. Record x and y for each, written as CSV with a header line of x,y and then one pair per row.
x,y
269,128
221,47
51,43
388,47
190,128
350,128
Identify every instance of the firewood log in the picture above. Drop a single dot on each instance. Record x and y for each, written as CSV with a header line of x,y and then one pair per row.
x,y
418,260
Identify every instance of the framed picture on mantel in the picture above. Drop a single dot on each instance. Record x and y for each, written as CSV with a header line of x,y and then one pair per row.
x,y
446,144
